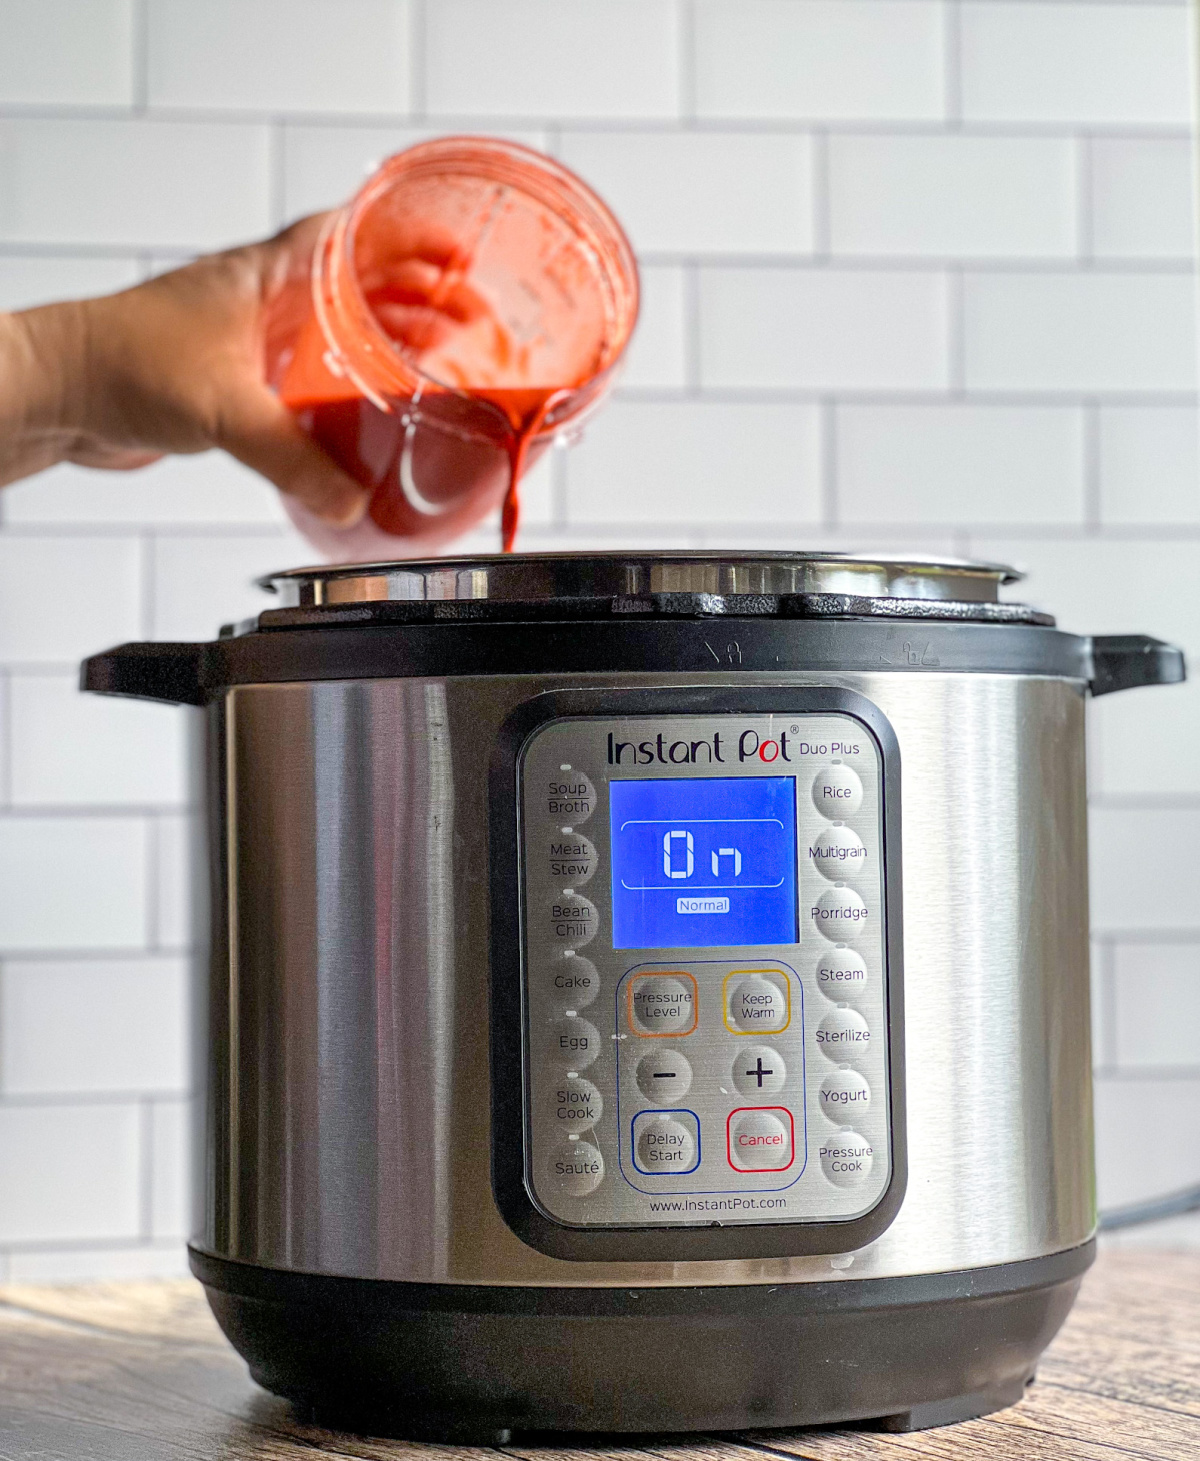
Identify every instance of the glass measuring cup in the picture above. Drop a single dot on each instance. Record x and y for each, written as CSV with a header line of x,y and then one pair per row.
x,y
469,304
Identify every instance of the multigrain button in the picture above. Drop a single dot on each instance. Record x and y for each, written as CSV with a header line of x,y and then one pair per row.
x,y
842,976
576,1167
570,796
843,1035
838,853
573,921
837,792
574,981
663,1076
844,1096
573,858
759,1071
574,1043
756,1002
664,1143
577,1104
840,914
846,1158
662,1004
760,1140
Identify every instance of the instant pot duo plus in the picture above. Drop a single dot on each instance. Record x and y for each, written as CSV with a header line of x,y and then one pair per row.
x,y
645,992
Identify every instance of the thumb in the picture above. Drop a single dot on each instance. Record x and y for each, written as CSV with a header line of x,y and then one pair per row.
x,y
266,436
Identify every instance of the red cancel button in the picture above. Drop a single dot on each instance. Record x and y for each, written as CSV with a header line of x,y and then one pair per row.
x,y
760,1139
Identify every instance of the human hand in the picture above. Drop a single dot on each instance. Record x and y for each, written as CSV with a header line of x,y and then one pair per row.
x,y
174,365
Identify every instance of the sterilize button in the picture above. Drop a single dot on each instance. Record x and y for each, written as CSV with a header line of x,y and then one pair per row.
x,y
837,792
838,853
759,1071
576,1167
577,1104
844,1036
664,1143
839,913
663,1076
842,976
573,920
570,796
760,1140
844,1096
846,1158
573,859
574,1043
756,1002
574,981
662,1004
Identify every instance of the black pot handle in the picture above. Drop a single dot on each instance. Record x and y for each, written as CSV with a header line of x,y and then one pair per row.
x,y
170,672
1124,661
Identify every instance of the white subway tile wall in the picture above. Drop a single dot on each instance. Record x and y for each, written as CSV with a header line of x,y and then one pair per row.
x,y
917,273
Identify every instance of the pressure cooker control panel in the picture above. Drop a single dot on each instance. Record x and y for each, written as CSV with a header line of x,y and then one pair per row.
x,y
705,970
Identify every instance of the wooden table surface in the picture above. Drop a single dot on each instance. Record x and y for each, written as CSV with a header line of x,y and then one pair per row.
x,y
139,1372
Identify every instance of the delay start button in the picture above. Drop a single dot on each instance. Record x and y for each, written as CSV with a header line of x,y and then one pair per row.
x,y
846,1158
570,796
760,1139
665,1143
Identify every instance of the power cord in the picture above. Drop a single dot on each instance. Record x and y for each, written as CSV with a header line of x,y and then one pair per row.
x,y
1187,1199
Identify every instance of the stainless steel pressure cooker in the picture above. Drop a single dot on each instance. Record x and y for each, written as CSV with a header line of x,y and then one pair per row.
x,y
645,991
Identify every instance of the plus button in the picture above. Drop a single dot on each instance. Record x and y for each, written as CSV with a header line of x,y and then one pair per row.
x,y
759,1071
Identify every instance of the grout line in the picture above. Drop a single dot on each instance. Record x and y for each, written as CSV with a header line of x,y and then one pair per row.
x,y
829,465
686,60
952,62
693,353
140,59
1092,507
145,1170
418,51
822,199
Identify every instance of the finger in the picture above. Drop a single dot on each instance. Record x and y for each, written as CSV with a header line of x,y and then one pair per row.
x,y
266,437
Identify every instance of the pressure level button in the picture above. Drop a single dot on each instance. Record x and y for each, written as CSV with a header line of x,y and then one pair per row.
x,y
838,853
846,1158
570,796
573,920
662,1004
573,859
576,1167
837,792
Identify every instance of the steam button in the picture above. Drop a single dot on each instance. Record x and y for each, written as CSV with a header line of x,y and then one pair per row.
x,y
570,796
842,976
846,1158
573,920
576,1167
573,859
837,792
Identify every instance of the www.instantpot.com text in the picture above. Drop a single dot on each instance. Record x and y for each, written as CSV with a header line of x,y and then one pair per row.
x,y
718,1204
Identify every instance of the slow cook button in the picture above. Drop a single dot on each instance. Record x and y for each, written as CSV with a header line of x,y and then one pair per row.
x,y
573,920
846,1158
663,1075
570,796
843,1035
577,1104
664,1143
574,981
756,1002
573,859
574,1043
837,792
844,1096
840,914
760,1140
842,976
838,853
576,1167
662,1004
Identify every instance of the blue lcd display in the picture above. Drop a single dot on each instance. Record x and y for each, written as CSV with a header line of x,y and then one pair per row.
x,y
703,862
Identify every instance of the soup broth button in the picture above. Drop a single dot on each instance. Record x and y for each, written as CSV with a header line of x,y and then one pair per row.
x,y
570,797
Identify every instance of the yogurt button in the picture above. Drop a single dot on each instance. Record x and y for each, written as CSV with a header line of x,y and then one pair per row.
x,y
577,1104
573,980
663,1076
844,1036
570,796
839,913
846,1158
576,1167
573,921
759,1071
662,1004
663,1144
844,1096
842,976
760,1140
837,792
573,859
838,853
755,1002
574,1043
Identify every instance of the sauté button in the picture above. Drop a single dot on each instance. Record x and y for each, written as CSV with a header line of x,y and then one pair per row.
x,y
756,1002
840,914
663,1144
837,853
844,1035
574,981
573,921
844,1096
576,1167
837,792
574,1043
662,1004
759,1071
577,1104
760,1141
573,859
663,1076
570,796
846,1158
842,976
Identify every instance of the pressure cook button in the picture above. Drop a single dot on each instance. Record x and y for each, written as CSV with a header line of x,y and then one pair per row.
x,y
838,853
573,920
839,913
570,796
837,792
664,1143
756,1001
574,1043
759,1071
842,976
760,1140
574,981
573,859
663,1076
846,1158
576,1167
662,1004
844,1095
844,1036
577,1104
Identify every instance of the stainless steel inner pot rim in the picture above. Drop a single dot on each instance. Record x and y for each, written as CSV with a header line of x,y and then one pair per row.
x,y
547,577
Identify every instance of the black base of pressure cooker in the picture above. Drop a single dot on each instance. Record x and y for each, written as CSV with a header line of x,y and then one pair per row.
x,y
474,1364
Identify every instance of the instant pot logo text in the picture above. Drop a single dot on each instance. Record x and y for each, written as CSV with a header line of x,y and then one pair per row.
x,y
749,746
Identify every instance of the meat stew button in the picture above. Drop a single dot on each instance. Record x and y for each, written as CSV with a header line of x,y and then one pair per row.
x,y
573,859
837,792
760,1140
576,1167
846,1158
